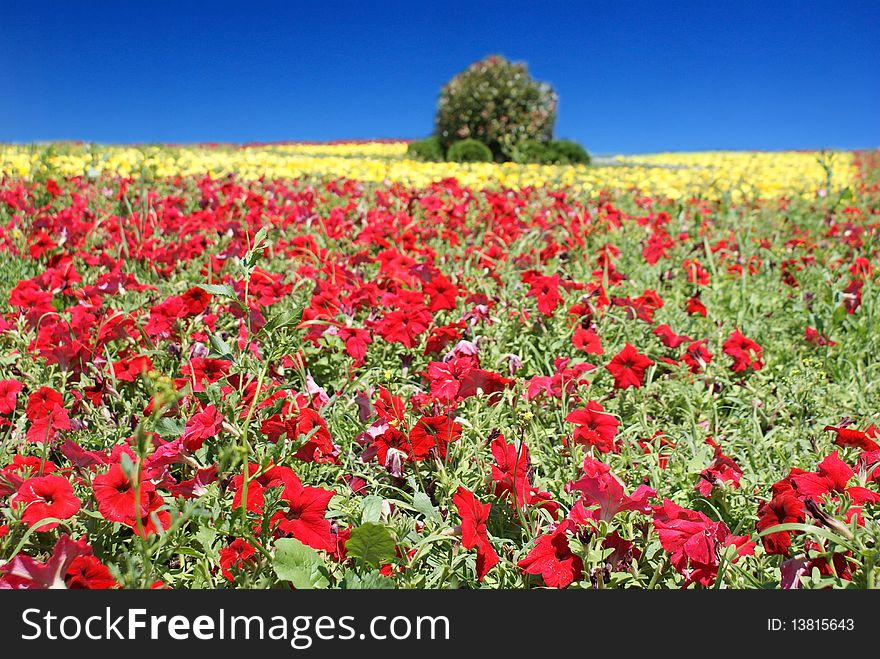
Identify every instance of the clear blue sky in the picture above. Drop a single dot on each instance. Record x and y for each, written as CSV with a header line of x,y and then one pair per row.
x,y
631,76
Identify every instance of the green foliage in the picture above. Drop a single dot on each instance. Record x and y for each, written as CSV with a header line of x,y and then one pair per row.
x,y
429,149
498,103
371,543
469,151
300,565
557,152
567,152
533,152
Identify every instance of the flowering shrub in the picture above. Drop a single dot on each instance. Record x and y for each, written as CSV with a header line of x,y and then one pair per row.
x,y
497,103
221,381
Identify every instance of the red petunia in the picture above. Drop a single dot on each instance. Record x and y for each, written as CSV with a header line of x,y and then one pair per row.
x,y
588,341
128,370
473,529
510,474
235,556
603,489
722,472
116,496
816,338
356,341
394,448
404,325
44,497
745,352
784,508
203,370
435,430
628,368
669,338
305,517
695,542
695,307
545,290
9,390
852,437
88,573
595,427
832,477
552,558
202,426
25,572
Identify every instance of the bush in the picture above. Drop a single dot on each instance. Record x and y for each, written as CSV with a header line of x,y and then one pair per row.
x,y
568,152
498,103
533,152
428,149
469,151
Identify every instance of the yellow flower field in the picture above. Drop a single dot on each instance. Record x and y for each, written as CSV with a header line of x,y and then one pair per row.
x,y
674,175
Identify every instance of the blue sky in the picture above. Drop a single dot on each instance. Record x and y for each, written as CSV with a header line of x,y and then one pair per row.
x,y
631,76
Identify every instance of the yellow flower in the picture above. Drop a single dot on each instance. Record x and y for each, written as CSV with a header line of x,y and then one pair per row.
x,y
675,175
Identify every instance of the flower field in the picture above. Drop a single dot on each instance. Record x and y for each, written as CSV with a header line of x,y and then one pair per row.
x,y
328,366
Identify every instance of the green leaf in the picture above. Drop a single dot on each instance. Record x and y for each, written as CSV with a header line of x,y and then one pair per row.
x,y
220,347
281,320
422,503
299,564
372,543
167,427
369,581
223,290
371,509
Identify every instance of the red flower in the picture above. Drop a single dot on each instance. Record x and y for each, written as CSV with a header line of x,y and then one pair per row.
x,y
628,368
404,325
115,495
697,356
851,437
442,336
832,477
235,556
394,447
201,370
43,497
696,273
25,572
128,370
486,383
745,352
815,338
595,427
47,415
441,292
356,341
87,572
305,517
601,488
552,558
201,426
511,476
695,307
473,529
546,290
664,447
9,390
429,430
852,295
784,508
722,472
695,542
42,402
588,341
669,338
